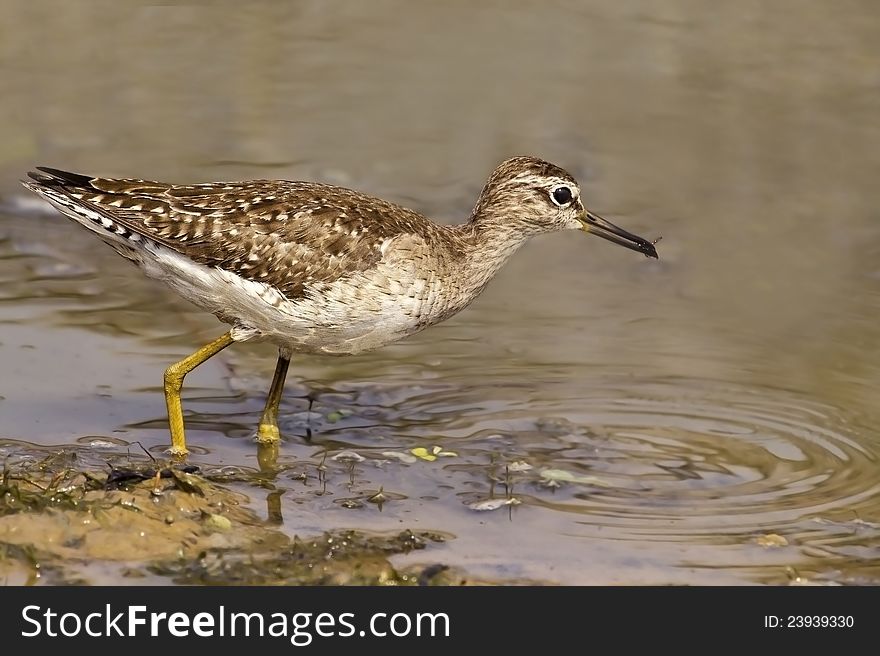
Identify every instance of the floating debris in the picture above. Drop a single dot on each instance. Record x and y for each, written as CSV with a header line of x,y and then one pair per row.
x,y
348,456
795,579
854,525
405,458
553,477
771,540
493,504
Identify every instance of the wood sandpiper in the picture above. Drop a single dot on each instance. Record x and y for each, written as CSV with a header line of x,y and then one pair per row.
x,y
315,268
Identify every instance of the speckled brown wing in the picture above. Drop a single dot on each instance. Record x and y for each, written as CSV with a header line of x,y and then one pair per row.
x,y
287,234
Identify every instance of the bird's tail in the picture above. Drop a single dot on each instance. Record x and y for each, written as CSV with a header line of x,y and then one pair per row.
x,y
69,193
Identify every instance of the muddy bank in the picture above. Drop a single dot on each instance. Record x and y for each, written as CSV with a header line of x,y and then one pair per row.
x,y
65,521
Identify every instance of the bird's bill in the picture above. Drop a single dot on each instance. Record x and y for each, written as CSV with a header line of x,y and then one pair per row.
x,y
596,225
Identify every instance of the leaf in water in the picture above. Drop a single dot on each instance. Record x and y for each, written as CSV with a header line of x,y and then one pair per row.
x,y
562,476
493,504
335,415
771,540
519,466
433,454
400,455
423,453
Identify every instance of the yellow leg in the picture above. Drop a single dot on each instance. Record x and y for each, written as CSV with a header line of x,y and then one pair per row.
x,y
267,458
268,430
174,382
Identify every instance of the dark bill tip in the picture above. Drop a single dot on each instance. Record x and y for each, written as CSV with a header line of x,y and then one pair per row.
x,y
596,225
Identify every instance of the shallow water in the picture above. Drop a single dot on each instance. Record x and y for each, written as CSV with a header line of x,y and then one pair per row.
x,y
708,418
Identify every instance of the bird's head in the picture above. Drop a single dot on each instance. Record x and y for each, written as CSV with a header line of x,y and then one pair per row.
x,y
532,196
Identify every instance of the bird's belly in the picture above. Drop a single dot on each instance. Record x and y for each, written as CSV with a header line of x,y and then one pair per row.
x,y
343,317
339,328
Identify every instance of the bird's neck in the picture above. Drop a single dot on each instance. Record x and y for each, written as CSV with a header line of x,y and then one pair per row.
x,y
487,247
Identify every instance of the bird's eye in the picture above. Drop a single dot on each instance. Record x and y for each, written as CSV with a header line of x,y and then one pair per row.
x,y
561,196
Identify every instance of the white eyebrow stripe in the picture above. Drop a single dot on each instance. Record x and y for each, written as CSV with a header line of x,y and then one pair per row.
x,y
550,181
